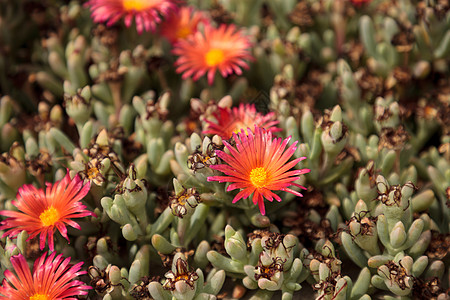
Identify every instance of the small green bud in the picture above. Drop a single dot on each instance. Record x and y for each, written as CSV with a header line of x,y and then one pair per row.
x,y
114,275
102,246
421,245
336,114
102,138
223,263
414,232
157,292
334,138
162,245
22,240
200,258
398,235
225,102
378,260
436,269
135,272
235,244
367,35
155,150
422,201
249,281
354,252
195,141
128,232
107,297
419,266
100,262
341,289
365,185
361,285
215,283
6,109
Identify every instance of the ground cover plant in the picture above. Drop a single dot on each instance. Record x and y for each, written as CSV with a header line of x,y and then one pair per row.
x,y
224,149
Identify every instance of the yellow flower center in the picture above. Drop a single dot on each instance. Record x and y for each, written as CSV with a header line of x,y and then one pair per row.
x,y
136,5
182,277
182,199
183,32
238,126
39,297
92,172
214,57
49,217
258,177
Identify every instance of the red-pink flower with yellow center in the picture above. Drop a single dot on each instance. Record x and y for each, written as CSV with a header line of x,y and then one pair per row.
x,y
224,49
259,165
359,2
182,23
232,120
43,212
52,279
146,13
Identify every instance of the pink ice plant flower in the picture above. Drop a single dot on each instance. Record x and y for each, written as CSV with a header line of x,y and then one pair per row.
x,y
52,279
42,212
146,13
182,23
225,49
259,165
232,120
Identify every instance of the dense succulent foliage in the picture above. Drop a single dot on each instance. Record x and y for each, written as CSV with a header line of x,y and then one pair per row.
x,y
146,142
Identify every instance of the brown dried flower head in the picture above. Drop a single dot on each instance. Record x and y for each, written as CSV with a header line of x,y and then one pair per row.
x,y
393,138
268,271
199,160
178,203
182,274
398,274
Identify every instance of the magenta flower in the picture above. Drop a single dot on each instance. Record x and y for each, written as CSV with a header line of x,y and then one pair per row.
x,y
52,279
259,165
42,212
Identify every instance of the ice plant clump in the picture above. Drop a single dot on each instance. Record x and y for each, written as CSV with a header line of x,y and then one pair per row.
x,y
42,212
52,279
259,165
224,49
146,13
232,120
182,23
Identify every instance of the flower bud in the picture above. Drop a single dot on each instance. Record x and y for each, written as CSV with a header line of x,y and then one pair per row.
x,y
6,109
162,245
114,275
421,245
235,244
135,272
361,285
225,102
398,235
307,125
419,266
12,173
436,269
100,262
334,138
128,233
216,281
365,184
195,141
223,263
